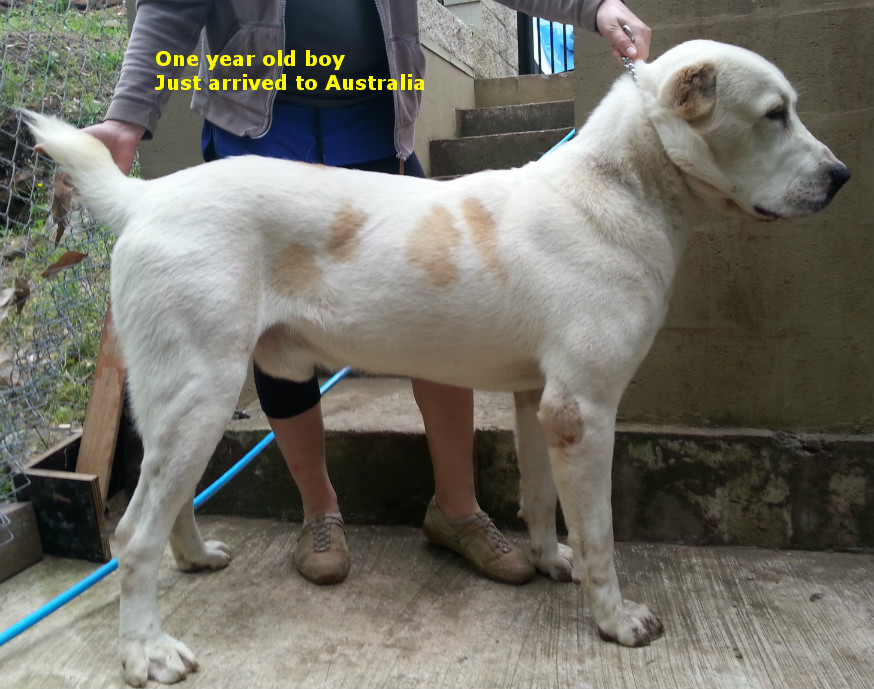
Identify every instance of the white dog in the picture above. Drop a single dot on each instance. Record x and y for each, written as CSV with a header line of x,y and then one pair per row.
x,y
549,280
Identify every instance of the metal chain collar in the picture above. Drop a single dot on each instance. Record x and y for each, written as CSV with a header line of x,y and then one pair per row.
x,y
627,61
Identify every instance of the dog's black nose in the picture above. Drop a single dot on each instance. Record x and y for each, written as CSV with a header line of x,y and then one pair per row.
x,y
838,174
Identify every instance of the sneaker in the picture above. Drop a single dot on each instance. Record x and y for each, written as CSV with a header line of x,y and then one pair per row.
x,y
477,540
321,555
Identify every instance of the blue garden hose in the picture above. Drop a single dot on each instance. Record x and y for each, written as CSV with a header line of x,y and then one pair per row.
x,y
112,565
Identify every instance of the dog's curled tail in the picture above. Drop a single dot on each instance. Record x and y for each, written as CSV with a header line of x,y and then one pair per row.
x,y
98,183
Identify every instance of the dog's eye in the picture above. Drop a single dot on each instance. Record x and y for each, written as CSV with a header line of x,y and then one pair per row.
x,y
778,114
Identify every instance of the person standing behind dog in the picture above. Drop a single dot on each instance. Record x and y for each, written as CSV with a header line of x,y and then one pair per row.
x,y
364,130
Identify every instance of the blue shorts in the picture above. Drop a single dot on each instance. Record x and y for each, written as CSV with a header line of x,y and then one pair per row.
x,y
330,136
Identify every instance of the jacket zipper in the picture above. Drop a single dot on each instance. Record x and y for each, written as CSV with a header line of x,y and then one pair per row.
x,y
271,99
394,98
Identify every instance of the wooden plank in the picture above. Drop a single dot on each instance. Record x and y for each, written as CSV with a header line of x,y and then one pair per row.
x,y
25,548
105,406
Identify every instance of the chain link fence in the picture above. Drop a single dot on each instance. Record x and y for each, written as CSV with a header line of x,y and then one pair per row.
x,y
63,58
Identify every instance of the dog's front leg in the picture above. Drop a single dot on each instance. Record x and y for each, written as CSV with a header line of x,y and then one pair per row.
x,y
580,436
538,495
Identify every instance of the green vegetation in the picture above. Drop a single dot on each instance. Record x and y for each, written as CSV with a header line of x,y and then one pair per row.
x,y
64,61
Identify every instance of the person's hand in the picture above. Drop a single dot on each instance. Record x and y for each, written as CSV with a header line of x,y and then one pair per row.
x,y
612,15
121,138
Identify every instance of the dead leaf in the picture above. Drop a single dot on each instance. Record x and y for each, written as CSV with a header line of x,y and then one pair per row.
x,y
22,292
62,201
70,258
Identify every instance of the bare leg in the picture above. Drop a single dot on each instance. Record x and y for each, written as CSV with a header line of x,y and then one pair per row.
x,y
454,518
321,555
448,415
301,439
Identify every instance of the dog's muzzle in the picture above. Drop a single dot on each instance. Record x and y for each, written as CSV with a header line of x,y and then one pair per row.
x,y
832,179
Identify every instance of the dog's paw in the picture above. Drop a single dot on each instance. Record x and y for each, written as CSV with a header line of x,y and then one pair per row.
x,y
557,567
635,626
215,555
163,659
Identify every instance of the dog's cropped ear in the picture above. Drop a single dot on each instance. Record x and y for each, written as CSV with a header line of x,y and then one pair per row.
x,y
692,94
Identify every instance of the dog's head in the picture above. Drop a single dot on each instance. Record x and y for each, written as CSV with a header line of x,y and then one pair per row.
x,y
727,118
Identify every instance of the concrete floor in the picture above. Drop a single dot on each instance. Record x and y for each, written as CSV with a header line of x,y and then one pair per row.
x,y
412,615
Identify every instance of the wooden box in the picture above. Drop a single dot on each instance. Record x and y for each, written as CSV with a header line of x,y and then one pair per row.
x,y
69,506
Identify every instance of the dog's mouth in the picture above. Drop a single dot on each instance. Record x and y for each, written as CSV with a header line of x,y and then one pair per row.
x,y
811,200
732,208
762,213
767,215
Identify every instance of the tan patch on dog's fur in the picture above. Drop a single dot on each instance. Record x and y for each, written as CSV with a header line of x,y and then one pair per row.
x,y
430,246
559,414
345,238
296,269
483,234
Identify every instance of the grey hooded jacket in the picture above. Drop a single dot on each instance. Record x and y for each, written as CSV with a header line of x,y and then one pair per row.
x,y
256,27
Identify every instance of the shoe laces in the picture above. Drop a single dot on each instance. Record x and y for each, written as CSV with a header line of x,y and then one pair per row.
x,y
321,535
495,536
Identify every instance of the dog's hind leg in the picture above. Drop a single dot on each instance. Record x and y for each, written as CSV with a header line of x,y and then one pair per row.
x,y
179,435
191,552
538,494
580,434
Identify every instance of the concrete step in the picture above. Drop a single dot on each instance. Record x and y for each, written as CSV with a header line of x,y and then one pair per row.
x,y
506,119
679,485
492,152
532,88
377,457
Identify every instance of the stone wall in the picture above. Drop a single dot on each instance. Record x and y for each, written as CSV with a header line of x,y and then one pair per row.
x,y
480,34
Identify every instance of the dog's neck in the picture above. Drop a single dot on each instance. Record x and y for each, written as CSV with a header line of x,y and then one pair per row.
x,y
617,168
620,136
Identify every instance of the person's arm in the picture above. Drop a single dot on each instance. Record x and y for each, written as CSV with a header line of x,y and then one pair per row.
x,y
603,16
159,26
136,105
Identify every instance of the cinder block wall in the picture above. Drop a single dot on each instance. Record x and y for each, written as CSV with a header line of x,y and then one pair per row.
x,y
771,325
